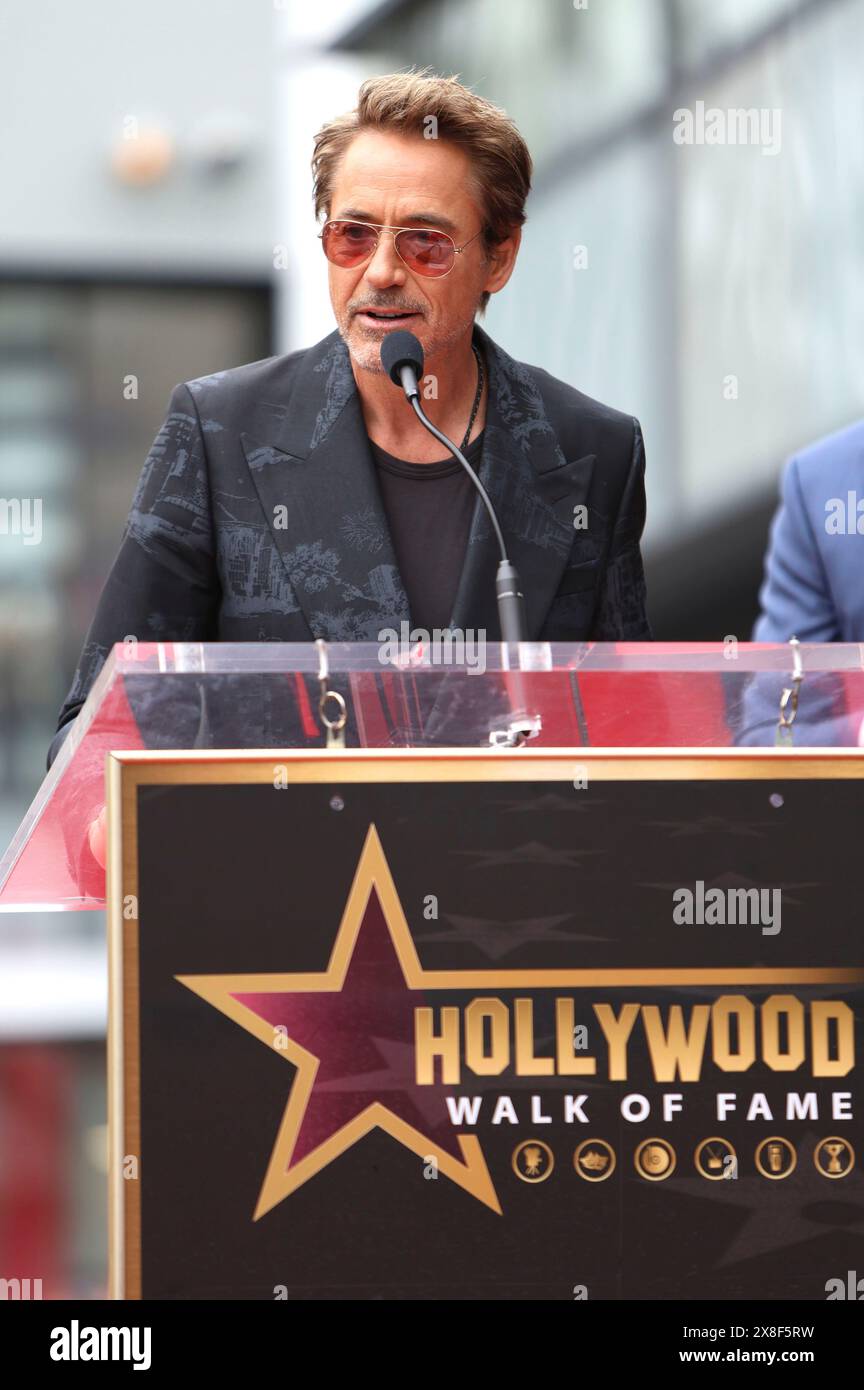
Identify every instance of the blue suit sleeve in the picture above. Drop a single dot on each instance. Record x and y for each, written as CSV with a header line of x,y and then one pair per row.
x,y
795,597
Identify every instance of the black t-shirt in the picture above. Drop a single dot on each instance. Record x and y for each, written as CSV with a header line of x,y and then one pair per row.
x,y
429,507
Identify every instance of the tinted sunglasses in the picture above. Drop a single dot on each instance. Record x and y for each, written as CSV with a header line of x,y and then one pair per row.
x,y
423,249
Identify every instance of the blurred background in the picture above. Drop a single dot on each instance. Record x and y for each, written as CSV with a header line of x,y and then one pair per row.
x,y
156,225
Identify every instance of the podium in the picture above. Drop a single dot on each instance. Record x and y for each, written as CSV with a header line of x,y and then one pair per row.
x,y
591,695
442,1014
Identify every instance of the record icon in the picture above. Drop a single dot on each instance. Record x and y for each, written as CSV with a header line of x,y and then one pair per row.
x,y
655,1159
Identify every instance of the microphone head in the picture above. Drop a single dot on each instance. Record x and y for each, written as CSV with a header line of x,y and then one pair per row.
x,y
398,350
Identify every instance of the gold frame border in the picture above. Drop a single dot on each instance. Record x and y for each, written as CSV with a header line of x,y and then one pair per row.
x,y
126,771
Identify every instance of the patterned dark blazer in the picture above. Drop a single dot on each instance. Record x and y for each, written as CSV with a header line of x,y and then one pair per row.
x,y
257,516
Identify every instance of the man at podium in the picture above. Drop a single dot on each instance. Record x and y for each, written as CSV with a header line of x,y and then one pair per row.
x,y
300,497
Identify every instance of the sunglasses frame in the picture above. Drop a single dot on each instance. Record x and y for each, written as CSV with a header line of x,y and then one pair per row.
x,y
380,227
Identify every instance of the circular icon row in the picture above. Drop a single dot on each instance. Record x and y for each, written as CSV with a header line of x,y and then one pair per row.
x,y
655,1159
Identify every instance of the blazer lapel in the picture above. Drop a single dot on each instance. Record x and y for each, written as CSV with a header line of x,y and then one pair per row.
x,y
534,490
311,465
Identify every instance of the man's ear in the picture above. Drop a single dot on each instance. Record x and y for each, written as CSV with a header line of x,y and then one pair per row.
x,y
502,259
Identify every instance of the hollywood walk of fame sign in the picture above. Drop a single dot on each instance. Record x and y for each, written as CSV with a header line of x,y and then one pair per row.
x,y
401,1025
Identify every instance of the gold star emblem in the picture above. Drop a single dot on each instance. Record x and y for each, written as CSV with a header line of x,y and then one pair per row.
x,y
316,1128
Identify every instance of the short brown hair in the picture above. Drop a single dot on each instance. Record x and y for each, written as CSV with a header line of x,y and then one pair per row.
x,y
403,102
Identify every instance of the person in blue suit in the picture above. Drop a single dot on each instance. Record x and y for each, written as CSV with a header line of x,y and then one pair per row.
x,y
813,590
814,569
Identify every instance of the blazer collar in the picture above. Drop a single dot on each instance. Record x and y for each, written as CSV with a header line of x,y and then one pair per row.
x,y
311,464
534,489
310,461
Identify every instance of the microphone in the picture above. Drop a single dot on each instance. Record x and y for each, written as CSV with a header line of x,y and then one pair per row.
x,y
402,360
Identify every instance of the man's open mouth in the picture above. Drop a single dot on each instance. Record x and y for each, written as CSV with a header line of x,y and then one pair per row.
x,y
391,316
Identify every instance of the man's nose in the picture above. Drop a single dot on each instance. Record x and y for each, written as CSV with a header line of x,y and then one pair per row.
x,y
385,267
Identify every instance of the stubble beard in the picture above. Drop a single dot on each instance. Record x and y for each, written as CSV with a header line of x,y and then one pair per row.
x,y
365,351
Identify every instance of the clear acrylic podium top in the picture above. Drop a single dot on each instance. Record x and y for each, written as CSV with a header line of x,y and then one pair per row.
x,y
267,695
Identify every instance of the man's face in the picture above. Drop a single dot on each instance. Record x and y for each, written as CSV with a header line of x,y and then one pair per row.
x,y
407,181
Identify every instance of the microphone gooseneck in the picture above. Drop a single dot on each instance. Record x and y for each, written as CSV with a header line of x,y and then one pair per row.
x,y
402,360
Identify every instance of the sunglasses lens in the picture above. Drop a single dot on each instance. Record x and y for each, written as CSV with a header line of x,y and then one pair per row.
x,y
348,243
426,252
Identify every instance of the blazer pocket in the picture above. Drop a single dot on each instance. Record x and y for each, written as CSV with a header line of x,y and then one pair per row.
x,y
567,486
576,579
